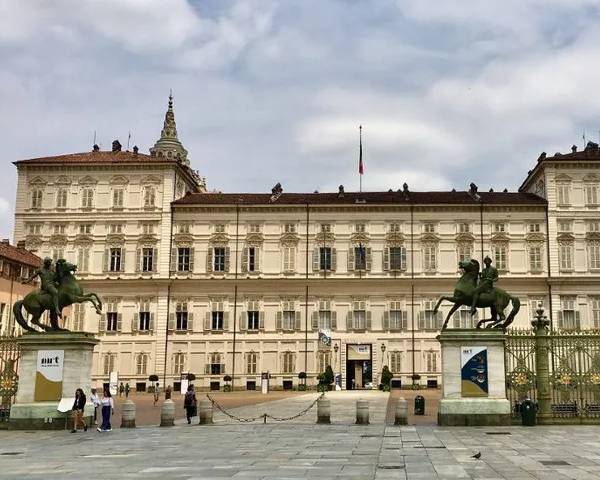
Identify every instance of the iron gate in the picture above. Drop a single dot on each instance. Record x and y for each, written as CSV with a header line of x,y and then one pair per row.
x,y
574,376
9,380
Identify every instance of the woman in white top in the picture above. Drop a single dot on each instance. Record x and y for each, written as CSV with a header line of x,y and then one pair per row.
x,y
95,399
108,408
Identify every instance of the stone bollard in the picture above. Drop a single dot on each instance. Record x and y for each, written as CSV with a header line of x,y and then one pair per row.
x,y
128,414
167,414
205,412
323,410
401,412
362,412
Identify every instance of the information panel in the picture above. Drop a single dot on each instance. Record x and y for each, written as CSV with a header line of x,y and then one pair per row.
x,y
49,375
474,371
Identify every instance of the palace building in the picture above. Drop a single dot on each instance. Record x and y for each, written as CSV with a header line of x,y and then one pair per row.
x,y
240,284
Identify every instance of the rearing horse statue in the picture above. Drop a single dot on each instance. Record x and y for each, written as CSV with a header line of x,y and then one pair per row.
x,y
497,299
69,292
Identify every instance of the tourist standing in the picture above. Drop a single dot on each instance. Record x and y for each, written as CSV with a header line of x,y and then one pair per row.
x,y
156,393
127,390
108,408
95,399
78,406
121,389
190,404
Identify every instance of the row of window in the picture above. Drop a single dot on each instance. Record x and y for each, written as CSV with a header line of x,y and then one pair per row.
x,y
590,193
35,228
215,365
566,253
86,195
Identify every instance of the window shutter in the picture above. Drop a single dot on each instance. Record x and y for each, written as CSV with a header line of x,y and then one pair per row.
x,y
226,321
333,259
456,319
257,259
173,266
207,368
138,259
386,259
227,256
119,322
386,320
191,260
405,320
577,320
421,320
101,324
244,260
439,318
369,259
209,260
261,320
171,325
242,321
403,258
278,322
122,259
207,320
559,318
349,320
315,320
351,256
135,322
190,322
368,315
105,260
151,322
334,320
298,321
155,259
316,260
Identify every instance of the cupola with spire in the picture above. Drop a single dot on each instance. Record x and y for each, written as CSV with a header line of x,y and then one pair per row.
x,y
168,145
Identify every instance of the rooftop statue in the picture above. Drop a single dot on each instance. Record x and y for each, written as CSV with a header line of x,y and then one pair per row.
x,y
59,289
476,290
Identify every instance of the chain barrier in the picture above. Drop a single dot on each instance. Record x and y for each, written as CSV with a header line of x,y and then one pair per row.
x,y
263,416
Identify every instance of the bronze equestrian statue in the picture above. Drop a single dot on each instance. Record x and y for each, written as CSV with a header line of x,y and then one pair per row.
x,y
59,289
476,290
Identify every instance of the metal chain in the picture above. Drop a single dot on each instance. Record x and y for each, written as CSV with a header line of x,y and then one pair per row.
x,y
264,416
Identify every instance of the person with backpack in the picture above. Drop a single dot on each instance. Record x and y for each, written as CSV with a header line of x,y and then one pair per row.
x,y
190,404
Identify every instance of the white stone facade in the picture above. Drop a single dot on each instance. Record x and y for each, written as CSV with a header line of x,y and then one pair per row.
x,y
187,284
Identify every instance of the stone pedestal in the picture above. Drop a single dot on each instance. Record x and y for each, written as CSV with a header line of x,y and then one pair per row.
x,y
464,406
31,412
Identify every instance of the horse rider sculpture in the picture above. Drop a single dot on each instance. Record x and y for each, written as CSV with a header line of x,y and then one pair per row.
x,y
59,289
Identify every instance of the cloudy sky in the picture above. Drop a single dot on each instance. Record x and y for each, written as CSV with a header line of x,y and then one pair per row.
x,y
448,92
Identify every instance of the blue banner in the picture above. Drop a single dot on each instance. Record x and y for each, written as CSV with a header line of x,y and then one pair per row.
x,y
474,372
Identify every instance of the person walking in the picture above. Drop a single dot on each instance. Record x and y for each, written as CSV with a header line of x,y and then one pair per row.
x,y
127,390
156,393
108,408
78,406
95,399
190,403
121,389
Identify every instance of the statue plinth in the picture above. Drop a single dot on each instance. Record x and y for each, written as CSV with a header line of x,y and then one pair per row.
x,y
473,378
52,366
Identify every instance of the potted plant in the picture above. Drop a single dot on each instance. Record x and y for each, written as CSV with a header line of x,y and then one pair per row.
x,y
302,377
415,378
329,377
190,377
386,378
152,378
227,387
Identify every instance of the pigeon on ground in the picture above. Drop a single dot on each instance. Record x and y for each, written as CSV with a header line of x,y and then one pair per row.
x,y
477,455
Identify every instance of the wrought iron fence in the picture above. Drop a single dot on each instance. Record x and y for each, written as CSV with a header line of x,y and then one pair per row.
x,y
574,377
10,353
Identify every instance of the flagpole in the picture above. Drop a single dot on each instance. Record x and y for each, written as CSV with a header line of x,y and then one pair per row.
x,y
360,160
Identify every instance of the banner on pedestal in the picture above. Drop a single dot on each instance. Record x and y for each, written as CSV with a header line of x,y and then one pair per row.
x,y
49,375
474,372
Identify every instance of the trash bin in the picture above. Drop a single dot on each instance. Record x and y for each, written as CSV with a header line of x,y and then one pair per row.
x,y
419,405
528,413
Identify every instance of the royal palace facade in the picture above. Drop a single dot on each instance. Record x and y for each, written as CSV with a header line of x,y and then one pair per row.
x,y
240,284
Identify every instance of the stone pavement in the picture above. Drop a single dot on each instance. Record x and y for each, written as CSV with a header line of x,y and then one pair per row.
x,y
304,450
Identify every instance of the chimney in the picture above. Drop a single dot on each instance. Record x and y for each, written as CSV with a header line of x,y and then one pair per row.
x,y
542,157
340,191
6,241
135,149
116,146
96,148
21,244
574,148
